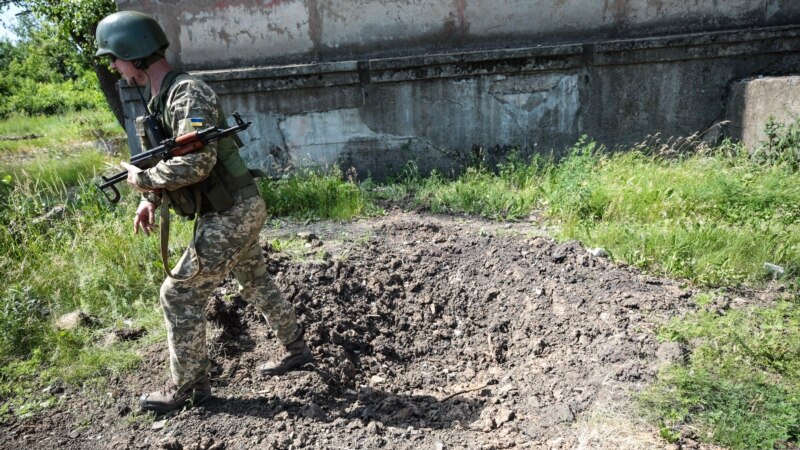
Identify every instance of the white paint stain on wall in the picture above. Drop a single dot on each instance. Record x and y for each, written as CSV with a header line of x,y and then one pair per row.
x,y
547,103
515,111
320,138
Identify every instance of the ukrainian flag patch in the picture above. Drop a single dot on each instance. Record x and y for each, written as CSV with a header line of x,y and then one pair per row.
x,y
196,122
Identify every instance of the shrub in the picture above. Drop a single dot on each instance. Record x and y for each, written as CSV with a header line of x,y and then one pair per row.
x,y
782,146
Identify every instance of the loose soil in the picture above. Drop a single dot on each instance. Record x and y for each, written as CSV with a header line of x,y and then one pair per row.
x,y
429,332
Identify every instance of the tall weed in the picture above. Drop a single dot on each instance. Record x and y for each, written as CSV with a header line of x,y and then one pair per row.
x,y
315,194
510,191
782,144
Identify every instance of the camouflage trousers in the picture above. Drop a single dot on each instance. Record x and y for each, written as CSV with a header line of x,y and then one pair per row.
x,y
225,242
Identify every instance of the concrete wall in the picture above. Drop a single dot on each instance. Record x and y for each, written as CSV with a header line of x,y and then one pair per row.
x,y
440,110
753,102
209,34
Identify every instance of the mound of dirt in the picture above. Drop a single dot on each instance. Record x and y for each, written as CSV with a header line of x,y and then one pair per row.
x,y
428,332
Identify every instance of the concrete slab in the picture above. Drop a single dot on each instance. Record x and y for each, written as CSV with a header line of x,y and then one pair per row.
x,y
754,101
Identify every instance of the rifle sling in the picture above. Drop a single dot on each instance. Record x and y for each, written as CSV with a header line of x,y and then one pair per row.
x,y
165,236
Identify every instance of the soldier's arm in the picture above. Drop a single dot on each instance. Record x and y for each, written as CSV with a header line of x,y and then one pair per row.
x,y
188,100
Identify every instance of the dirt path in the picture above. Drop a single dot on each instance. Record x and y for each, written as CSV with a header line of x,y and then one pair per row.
x,y
429,332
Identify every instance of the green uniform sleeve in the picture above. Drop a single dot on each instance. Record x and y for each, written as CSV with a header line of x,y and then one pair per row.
x,y
190,103
153,197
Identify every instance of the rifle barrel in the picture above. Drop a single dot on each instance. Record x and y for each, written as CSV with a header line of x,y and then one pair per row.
x,y
121,176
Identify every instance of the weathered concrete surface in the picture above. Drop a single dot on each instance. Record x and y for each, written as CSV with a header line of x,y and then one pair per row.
x,y
753,102
215,34
677,87
374,84
442,111
241,33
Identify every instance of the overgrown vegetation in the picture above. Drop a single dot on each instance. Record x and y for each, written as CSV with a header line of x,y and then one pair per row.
x,y
23,137
43,74
741,385
316,195
69,28
714,217
64,249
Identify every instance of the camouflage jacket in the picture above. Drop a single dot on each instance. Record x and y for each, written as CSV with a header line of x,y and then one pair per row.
x,y
190,103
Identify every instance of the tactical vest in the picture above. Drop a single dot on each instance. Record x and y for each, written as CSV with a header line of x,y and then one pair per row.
x,y
229,180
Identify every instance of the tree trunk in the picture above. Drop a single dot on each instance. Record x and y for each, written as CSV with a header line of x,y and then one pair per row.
x,y
108,84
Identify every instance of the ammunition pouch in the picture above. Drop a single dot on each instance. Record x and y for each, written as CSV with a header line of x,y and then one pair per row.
x,y
218,192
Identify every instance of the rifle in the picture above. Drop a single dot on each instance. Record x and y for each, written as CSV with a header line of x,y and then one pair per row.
x,y
169,148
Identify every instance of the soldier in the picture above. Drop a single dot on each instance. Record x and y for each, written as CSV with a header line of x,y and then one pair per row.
x,y
215,186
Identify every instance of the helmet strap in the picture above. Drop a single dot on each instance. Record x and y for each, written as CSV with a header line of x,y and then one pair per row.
x,y
144,63
141,96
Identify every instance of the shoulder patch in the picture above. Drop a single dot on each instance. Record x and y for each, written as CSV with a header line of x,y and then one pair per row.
x,y
196,122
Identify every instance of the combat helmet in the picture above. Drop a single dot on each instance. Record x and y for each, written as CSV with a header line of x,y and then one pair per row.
x,y
130,36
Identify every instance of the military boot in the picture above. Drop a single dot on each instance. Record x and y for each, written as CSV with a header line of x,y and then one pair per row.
x,y
296,355
171,398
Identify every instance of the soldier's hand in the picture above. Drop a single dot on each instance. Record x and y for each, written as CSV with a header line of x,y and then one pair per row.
x,y
132,171
145,218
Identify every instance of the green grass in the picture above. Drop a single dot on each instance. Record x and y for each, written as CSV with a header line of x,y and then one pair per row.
x,y
316,195
63,155
63,248
714,219
85,258
741,386
482,193
56,135
68,170
510,192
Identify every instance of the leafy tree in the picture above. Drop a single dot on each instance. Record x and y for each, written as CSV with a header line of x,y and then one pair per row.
x,y
42,74
8,52
75,22
41,56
